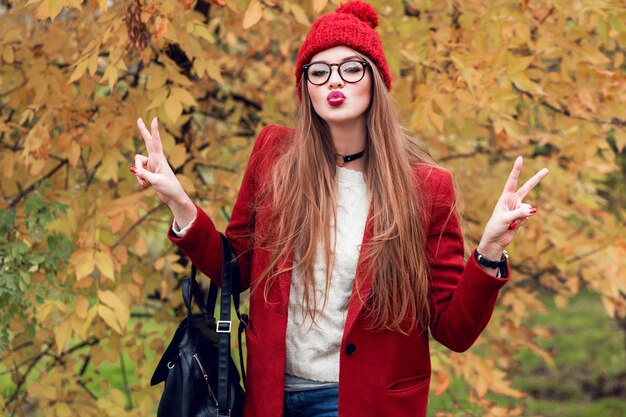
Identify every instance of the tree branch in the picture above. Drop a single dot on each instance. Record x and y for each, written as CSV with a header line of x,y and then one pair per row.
x,y
25,192
136,224
566,112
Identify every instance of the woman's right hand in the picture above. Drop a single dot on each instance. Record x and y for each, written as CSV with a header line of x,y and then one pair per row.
x,y
157,171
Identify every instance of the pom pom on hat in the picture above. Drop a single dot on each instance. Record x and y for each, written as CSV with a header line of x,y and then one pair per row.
x,y
364,11
353,25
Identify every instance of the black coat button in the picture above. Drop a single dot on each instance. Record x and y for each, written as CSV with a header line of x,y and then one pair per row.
x,y
350,349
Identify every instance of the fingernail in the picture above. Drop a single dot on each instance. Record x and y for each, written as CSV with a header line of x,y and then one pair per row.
x,y
533,210
144,185
512,226
133,170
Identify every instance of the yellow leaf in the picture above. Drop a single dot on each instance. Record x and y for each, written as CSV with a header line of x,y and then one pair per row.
x,y
110,74
105,265
560,301
137,278
436,119
524,83
140,246
419,118
79,71
62,335
299,14
160,97
134,290
77,326
618,60
519,64
109,318
47,391
108,168
81,304
465,96
62,409
93,62
177,155
441,382
588,98
73,154
159,263
253,14
120,311
36,167
44,311
187,183
7,54
319,5
91,314
444,103
157,79
173,108
109,298
84,261
214,72
184,96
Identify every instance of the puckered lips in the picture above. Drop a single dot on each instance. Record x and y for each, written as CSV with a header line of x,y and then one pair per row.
x,y
335,98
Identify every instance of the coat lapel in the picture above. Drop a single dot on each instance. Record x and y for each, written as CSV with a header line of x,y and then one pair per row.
x,y
284,281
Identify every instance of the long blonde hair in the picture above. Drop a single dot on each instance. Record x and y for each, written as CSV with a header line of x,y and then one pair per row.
x,y
302,199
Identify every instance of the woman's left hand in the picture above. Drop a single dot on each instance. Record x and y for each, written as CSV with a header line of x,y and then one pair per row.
x,y
510,213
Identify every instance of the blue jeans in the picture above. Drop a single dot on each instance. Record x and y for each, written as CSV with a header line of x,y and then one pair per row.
x,y
321,402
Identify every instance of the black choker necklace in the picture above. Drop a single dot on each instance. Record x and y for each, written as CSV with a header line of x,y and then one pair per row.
x,y
341,160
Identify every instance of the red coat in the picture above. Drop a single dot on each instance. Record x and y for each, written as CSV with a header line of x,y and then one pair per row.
x,y
381,373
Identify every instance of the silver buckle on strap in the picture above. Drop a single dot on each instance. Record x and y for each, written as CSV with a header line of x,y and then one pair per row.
x,y
223,326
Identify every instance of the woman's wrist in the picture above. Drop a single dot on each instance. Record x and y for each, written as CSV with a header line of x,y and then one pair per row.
x,y
184,211
490,251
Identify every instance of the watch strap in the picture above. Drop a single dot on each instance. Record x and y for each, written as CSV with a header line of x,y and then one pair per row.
x,y
490,263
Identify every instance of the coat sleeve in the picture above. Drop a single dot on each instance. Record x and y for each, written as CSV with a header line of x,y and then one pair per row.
x,y
462,295
202,244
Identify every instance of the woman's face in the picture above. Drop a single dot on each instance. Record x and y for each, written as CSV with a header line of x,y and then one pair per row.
x,y
338,101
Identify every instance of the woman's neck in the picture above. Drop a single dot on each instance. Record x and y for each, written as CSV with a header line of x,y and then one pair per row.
x,y
348,139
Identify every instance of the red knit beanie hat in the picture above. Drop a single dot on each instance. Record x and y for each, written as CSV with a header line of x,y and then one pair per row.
x,y
351,25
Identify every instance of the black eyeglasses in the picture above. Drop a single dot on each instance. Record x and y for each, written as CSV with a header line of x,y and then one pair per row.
x,y
350,71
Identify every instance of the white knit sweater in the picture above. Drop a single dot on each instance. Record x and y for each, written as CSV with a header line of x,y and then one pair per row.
x,y
313,350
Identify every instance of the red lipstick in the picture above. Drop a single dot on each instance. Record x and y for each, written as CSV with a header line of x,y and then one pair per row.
x,y
336,98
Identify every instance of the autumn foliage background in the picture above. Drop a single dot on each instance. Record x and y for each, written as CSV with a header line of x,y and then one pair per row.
x,y
88,277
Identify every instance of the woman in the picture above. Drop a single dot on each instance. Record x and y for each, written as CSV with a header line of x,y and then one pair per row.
x,y
348,237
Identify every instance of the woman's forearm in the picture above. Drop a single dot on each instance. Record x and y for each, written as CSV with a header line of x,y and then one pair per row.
x,y
184,211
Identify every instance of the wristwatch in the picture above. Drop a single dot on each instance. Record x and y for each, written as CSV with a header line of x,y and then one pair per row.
x,y
501,264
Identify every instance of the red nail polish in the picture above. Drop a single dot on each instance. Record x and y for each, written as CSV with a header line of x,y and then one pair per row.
x,y
144,185
512,226
133,170
533,210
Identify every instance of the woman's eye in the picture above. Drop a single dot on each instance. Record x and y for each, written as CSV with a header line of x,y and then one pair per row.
x,y
352,68
319,73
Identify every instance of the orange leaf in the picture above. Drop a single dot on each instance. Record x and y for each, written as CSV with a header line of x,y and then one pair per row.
x,y
81,304
173,108
253,14
62,334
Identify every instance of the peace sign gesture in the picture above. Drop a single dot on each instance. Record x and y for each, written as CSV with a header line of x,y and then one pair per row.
x,y
157,171
510,212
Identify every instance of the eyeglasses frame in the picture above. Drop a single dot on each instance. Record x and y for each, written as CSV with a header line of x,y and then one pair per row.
x,y
330,73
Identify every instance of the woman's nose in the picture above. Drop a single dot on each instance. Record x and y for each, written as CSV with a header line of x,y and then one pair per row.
x,y
335,79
